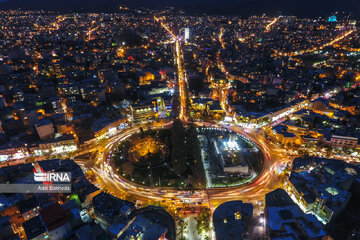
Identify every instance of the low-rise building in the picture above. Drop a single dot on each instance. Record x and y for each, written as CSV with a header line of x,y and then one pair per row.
x,y
322,186
143,111
285,220
45,129
215,110
109,209
139,227
29,208
35,229
6,231
57,221
281,133
231,220
146,78
343,141
106,127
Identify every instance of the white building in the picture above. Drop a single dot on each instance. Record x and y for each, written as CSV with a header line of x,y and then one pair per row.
x,y
187,34
228,162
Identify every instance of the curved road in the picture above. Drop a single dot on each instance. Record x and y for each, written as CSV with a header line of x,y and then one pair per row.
x,y
108,177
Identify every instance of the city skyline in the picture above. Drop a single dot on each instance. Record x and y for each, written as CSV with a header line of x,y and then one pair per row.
x,y
245,8
162,124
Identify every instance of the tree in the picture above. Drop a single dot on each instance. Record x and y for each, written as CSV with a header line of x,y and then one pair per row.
x,y
178,147
128,167
193,145
182,225
197,178
298,122
203,220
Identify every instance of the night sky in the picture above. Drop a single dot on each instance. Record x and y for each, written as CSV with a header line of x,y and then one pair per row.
x,y
301,8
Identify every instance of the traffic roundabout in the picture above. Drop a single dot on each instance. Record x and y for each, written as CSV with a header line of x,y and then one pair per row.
x,y
110,175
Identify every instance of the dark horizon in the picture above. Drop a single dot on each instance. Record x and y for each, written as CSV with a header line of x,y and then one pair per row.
x,y
305,8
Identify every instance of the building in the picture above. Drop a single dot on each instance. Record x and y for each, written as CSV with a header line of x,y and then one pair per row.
x,y
143,111
56,104
96,95
109,209
45,129
322,106
298,130
59,145
199,104
186,34
215,111
11,152
285,220
281,133
106,127
35,229
12,126
322,186
139,227
146,78
57,221
29,208
6,231
231,157
29,118
343,141
231,220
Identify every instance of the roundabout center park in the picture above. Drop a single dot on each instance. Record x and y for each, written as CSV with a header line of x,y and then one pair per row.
x,y
188,157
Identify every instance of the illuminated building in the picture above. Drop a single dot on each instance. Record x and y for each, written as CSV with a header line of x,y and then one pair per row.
x,y
106,128
281,133
63,144
10,153
143,112
215,110
229,160
146,78
186,34
199,104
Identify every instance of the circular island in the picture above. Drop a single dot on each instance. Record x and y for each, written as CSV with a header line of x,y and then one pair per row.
x,y
187,157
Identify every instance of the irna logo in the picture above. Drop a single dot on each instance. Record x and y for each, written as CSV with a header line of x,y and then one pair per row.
x,y
52,177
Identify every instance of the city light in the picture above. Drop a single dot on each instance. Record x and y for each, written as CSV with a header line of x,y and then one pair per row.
x,y
176,124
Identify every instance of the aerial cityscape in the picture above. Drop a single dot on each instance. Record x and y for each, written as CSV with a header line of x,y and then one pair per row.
x,y
165,123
